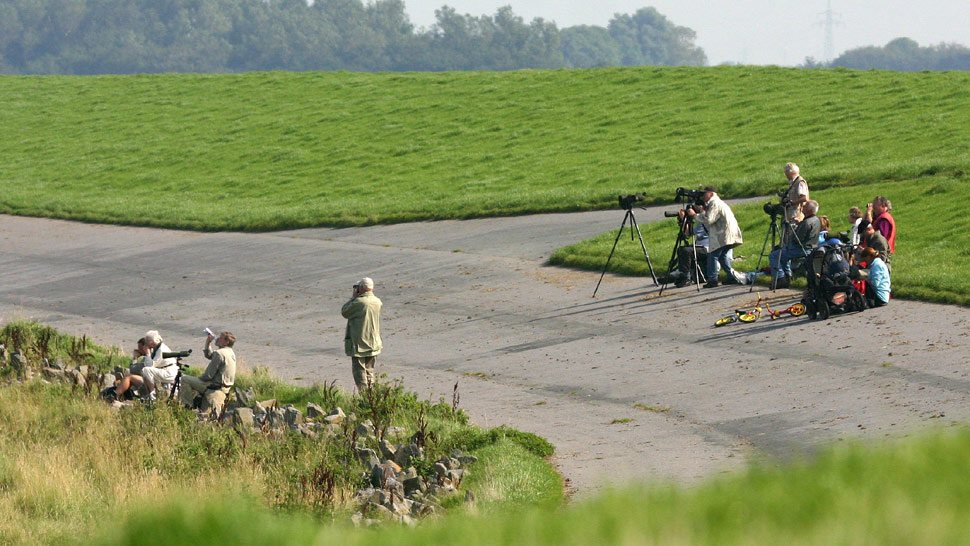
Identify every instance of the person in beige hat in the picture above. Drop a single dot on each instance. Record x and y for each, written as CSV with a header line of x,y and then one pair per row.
x,y
362,339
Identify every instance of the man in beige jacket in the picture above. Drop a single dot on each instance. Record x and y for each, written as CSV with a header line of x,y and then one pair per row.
x,y
725,234
214,383
362,339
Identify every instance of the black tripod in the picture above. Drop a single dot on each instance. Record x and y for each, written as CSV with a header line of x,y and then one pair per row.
x,y
633,225
685,237
776,233
178,375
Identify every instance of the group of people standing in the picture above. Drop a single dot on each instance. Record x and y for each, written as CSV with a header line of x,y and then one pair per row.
x,y
802,231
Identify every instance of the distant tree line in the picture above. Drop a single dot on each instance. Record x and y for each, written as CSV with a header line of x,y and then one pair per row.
x,y
901,54
138,36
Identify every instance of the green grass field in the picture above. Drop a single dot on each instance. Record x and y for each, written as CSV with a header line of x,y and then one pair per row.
x,y
267,151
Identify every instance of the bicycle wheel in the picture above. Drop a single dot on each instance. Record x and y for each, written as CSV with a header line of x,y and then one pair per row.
x,y
726,320
797,310
823,310
750,316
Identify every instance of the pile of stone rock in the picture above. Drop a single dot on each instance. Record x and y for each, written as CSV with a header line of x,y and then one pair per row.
x,y
396,491
53,371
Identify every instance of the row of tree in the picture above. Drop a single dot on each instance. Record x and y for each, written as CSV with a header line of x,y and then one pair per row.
x,y
137,36
901,54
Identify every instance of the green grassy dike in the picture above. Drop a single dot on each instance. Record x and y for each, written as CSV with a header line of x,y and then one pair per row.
x,y
72,468
270,151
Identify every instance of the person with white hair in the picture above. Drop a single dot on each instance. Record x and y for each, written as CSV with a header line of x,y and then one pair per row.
x,y
362,339
157,370
806,239
796,196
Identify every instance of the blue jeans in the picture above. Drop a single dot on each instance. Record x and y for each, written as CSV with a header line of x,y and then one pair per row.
x,y
788,253
724,255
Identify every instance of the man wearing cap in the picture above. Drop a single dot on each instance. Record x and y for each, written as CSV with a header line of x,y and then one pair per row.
x,y
724,233
872,238
362,340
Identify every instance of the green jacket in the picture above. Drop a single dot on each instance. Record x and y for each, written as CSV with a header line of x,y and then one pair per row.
x,y
363,336
221,371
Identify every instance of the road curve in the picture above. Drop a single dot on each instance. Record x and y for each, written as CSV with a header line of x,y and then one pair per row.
x,y
628,385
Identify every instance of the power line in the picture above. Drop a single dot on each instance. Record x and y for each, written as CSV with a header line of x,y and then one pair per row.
x,y
829,21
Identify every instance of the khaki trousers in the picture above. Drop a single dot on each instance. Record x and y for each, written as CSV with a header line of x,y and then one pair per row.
x,y
363,369
191,386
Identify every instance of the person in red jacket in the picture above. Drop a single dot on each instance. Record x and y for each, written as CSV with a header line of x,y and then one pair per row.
x,y
878,214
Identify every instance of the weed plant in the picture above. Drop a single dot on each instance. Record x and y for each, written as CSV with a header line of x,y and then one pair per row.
x,y
37,342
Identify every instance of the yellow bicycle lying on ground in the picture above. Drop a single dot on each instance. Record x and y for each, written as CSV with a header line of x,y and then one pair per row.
x,y
742,315
751,315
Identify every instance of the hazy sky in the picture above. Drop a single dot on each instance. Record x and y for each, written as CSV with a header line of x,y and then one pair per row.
x,y
781,32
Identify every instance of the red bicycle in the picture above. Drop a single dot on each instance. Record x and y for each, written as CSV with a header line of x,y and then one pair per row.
x,y
795,310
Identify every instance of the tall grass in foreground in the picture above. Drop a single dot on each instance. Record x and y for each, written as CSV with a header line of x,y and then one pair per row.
x,y
268,151
69,464
912,492
930,264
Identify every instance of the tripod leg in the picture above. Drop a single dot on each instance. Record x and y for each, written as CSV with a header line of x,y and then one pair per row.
x,y
673,260
772,229
633,222
605,267
697,268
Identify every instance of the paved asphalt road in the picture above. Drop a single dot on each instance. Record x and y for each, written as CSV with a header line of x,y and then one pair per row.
x,y
471,302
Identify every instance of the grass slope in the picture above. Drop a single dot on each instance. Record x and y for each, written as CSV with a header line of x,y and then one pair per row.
x,y
911,492
265,151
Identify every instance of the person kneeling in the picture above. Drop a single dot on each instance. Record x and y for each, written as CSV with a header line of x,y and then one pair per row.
x,y
214,384
878,285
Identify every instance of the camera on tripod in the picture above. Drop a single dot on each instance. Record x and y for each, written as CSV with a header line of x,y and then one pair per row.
x,y
694,197
628,201
178,356
774,209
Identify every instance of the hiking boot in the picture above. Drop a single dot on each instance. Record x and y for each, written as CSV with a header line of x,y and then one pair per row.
x,y
711,284
783,282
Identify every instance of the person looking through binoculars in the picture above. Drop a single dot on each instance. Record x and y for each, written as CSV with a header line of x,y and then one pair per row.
x,y
877,213
219,376
362,338
724,233
155,369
